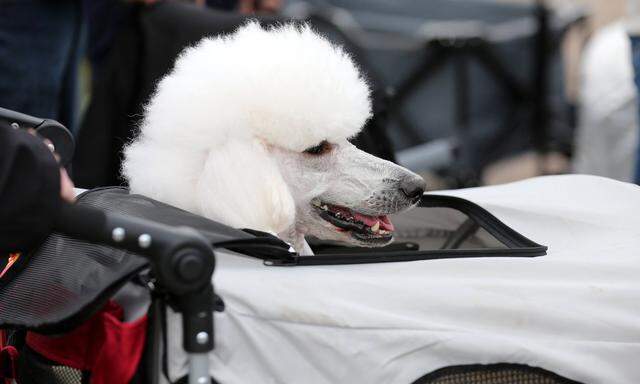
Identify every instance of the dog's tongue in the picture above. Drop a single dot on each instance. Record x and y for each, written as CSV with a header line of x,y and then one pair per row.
x,y
370,221
386,224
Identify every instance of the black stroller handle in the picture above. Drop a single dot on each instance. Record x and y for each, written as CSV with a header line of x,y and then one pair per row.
x,y
59,136
181,258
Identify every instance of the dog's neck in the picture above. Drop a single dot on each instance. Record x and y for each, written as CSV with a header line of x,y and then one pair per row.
x,y
297,241
303,248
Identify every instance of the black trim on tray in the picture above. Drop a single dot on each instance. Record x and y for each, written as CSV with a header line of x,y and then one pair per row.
x,y
517,244
274,252
489,222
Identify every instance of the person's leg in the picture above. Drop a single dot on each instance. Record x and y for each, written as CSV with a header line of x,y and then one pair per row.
x,y
37,43
70,96
635,55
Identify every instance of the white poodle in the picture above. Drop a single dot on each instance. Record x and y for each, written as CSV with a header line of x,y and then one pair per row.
x,y
251,130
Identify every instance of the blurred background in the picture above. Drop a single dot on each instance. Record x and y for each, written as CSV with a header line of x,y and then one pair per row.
x,y
465,92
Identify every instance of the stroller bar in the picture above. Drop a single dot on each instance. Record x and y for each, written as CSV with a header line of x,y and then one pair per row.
x,y
181,258
199,368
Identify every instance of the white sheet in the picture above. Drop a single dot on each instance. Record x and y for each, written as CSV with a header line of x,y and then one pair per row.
x,y
575,312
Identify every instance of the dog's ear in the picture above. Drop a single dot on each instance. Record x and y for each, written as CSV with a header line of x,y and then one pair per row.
x,y
241,186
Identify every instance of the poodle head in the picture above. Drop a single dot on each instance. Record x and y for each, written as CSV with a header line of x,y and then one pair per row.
x,y
342,193
252,130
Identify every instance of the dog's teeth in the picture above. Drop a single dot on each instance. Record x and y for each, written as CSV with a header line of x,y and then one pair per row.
x,y
325,207
375,227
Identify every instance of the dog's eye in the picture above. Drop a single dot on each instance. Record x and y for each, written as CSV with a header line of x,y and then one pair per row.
x,y
319,149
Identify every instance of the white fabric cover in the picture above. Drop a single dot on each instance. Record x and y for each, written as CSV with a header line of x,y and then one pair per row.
x,y
575,312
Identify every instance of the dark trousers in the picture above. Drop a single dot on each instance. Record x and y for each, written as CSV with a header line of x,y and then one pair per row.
x,y
40,44
635,55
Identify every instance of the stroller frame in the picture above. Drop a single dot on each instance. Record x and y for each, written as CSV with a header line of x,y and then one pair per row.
x,y
182,260
183,263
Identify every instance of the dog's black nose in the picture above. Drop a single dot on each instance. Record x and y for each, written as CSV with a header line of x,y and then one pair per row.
x,y
413,187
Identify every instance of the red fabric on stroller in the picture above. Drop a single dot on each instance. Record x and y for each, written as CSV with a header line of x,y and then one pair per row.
x,y
107,347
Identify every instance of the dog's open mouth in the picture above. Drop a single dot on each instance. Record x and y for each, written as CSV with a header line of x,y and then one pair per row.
x,y
370,229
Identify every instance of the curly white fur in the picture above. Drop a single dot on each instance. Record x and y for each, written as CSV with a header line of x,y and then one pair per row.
x,y
238,111
284,85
